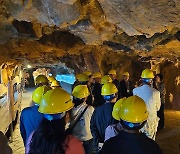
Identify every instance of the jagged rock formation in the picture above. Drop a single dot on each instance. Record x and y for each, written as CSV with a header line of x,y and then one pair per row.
x,y
93,34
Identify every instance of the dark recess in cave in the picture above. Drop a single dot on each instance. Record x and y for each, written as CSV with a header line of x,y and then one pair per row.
x,y
62,39
24,27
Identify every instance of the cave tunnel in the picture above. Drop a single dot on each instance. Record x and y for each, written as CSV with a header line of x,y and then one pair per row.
x,y
63,38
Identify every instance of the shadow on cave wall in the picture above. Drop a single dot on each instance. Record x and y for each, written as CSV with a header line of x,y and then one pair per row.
x,y
122,63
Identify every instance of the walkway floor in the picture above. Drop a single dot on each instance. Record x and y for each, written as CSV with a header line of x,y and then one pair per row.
x,y
168,139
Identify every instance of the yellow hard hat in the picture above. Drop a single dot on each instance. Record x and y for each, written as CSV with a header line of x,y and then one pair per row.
x,y
83,78
97,75
55,83
147,74
112,72
116,109
126,73
133,109
41,79
77,76
88,73
81,91
108,89
55,101
106,79
38,93
51,78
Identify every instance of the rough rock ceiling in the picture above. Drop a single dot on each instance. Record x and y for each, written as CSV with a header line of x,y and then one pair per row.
x,y
45,30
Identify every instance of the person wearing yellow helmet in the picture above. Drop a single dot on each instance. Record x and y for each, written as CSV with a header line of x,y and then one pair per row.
x,y
151,97
82,128
55,84
115,81
84,79
51,137
88,73
98,99
51,79
132,115
30,117
126,86
41,80
102,116
76,81
106,79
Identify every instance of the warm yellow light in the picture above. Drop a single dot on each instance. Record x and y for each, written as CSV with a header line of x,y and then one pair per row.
x,y
29,66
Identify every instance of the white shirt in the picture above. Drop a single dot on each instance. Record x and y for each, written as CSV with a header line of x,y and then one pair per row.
x,y
82,129
152,99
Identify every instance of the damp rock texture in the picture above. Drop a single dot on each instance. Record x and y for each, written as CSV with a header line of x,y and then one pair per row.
x,y
95,35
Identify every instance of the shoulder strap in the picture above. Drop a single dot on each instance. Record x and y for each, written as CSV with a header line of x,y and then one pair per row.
x,y
78,118
117,129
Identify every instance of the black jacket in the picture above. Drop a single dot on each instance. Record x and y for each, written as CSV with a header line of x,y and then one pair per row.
x,y
117,84
123,89
100,120
127,143
98,98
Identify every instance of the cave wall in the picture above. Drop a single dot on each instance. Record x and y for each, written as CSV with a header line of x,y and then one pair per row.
x,y
123,62
171,73
96,35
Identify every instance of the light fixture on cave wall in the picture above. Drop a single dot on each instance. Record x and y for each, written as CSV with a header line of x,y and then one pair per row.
x,y
29,66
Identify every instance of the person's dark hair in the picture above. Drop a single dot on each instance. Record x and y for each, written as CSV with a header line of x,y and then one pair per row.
x,y
49,138
160,76
90,76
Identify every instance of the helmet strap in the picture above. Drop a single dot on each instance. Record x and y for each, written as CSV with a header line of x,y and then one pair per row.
x,y
132,126
108,98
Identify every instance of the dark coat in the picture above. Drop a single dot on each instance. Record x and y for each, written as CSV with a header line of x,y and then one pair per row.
x,y
117,84
98,98
128,143
30,119
100,120
123,89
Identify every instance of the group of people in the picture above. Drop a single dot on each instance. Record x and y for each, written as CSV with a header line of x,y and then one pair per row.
x,y
103,115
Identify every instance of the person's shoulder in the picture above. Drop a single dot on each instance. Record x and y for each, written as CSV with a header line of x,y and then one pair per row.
x,y
121,81
155,147
155,90
26,109
137,88
100,107
115,81
111,142
90,108
74,145
71,140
